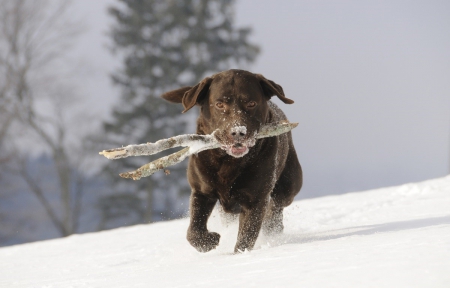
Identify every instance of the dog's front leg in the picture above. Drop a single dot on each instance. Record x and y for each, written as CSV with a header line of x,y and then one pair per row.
x,y
198,235
250,222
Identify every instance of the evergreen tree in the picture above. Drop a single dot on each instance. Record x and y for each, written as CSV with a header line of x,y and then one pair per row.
x,y
166,44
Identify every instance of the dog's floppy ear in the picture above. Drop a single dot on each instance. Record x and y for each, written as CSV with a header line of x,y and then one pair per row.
x,y
176,96
271,88
196,93
189,96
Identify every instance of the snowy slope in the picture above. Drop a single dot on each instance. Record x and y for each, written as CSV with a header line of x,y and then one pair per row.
x,y
392,237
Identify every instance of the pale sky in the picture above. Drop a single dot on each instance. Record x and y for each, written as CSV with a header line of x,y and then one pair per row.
x,y
370,80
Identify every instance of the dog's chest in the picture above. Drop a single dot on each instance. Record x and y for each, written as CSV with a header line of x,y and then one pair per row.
x,y
227,174
221,173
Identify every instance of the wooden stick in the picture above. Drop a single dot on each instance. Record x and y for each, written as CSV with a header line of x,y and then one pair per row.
x,y
195,144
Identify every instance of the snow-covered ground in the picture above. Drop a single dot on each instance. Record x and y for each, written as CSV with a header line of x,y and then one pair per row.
x,y
392,237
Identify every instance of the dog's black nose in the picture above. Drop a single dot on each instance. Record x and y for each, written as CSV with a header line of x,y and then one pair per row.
x,y
238,132
235,134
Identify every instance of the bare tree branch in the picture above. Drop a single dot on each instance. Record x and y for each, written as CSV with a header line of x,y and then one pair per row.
x,y
36,189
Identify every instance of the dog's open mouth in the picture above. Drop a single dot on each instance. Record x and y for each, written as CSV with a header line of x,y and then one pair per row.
x,y
236,150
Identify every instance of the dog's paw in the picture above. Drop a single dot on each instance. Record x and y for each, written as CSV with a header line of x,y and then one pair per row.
x,y
204,242
243,247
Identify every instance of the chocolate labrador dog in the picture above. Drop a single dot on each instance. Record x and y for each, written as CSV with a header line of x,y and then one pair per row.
x,y
255,178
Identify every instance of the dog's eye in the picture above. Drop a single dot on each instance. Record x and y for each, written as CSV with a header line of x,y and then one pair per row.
x,y
251,104
219,105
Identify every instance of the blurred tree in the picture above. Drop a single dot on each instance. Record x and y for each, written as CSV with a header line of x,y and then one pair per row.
x,y
34,38
165,45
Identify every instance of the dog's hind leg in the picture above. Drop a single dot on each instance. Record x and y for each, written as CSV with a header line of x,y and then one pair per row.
x,y
273,220
229,217
287,186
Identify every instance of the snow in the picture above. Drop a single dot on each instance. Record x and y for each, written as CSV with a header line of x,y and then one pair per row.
x,y
391,237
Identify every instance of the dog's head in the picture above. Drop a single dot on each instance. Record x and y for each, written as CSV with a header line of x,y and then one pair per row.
x,y
233,103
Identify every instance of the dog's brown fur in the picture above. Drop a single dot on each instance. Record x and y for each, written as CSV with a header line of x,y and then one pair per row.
x,y
256,178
